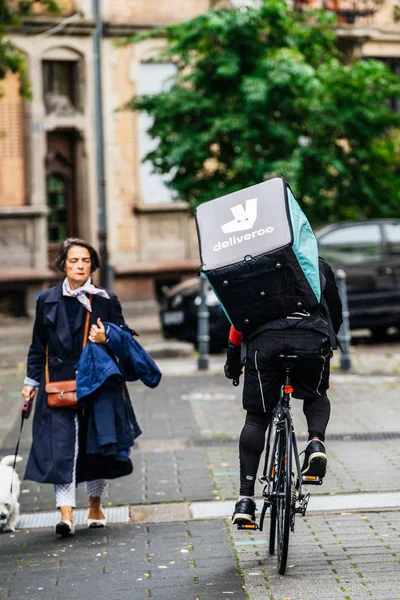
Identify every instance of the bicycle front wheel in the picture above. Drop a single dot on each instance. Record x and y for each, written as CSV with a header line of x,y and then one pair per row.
x,y
283,499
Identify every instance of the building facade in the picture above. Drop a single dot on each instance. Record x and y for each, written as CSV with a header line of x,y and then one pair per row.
x,y
48,188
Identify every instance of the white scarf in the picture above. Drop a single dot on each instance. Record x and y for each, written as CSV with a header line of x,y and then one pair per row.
x,y
80,292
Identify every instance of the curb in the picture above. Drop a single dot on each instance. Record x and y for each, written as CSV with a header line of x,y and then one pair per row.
x,y
175,512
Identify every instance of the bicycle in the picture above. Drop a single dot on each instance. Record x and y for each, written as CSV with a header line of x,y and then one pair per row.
x,y
282,476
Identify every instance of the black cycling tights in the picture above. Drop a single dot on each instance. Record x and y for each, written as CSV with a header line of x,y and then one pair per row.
x,y
252,439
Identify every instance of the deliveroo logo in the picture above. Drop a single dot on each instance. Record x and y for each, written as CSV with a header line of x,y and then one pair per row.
x,y
244,217
243,221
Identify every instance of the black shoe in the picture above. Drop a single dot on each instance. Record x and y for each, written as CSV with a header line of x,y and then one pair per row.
x,y
315,460
65,529
244,512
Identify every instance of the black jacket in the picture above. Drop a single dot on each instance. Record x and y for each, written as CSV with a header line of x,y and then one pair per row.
x,y
325,319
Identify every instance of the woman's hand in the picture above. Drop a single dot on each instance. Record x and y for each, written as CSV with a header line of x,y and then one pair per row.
x,y
29,392
97,333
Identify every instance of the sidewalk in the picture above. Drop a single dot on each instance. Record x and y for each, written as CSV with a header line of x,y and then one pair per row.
x,y
330,558
161,542
188,454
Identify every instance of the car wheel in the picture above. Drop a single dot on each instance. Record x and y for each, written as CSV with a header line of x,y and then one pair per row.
x,y
379,333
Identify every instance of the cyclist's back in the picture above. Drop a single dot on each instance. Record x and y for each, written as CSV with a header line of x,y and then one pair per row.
x,y
310,335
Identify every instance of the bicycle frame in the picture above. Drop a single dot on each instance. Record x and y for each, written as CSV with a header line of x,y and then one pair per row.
x,y
280,416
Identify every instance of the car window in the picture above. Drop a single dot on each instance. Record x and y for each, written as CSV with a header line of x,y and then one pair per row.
x,y
350,245
392,231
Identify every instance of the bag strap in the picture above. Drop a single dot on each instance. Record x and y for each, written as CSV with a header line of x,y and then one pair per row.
x,y
85,338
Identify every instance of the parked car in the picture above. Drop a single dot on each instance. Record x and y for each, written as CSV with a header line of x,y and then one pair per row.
x,y
179,315
369,253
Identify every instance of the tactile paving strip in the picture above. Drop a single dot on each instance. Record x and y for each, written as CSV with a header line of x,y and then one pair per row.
x,y
119,514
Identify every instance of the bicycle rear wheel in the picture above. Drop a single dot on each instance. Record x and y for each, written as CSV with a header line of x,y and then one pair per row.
x,y
283,498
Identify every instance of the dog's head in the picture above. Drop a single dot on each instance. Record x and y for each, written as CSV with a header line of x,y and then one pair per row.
x,y
5,509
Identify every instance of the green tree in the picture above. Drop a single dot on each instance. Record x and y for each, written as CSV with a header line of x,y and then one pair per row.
x,y
12,13
263,91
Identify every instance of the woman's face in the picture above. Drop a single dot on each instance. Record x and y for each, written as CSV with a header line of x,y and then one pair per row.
x,y
78,266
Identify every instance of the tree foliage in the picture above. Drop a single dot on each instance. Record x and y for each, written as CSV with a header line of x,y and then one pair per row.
x,y
263,91
12,12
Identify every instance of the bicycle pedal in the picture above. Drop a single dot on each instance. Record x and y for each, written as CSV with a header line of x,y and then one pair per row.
x,y
312,480
248,526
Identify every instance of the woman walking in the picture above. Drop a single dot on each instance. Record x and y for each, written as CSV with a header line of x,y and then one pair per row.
x,y
66,316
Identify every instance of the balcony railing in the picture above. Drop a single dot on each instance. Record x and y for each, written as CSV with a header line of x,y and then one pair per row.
x,y
348,11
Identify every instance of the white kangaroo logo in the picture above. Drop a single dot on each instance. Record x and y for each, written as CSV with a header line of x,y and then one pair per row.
x,y
244,217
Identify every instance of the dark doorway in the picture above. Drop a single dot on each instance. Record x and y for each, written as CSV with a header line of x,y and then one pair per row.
x,y
61,189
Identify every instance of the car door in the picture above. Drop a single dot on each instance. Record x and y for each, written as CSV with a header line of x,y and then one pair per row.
x,y
358,250
391,239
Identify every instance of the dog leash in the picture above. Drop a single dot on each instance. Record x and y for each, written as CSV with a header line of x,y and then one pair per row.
x,y
16,452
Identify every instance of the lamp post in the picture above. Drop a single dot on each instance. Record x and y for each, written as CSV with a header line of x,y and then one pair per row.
x,y
106,270
203,337
344,332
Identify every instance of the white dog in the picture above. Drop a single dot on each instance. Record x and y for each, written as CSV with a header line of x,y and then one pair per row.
x,y
9,506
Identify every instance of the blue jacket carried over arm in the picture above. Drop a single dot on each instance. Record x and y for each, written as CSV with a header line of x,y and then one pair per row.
x,y
97,362
100,381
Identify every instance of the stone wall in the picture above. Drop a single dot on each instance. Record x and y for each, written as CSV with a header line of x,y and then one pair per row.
x,y
148,244
153,12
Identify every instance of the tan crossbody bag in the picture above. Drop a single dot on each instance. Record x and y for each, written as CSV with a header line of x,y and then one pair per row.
x,y
62,394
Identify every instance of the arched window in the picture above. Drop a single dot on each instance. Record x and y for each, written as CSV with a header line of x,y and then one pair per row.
x,y
63,81
58,210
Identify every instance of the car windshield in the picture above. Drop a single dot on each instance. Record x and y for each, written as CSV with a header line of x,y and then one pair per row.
x,y
351,244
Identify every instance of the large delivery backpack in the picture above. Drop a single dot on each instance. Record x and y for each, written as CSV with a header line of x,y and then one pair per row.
x,y
259,254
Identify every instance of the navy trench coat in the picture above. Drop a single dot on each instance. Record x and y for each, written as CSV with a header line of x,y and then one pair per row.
x,y
53,430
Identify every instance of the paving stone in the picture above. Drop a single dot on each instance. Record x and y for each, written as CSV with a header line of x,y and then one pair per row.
x,y
327,552
198,473
126,557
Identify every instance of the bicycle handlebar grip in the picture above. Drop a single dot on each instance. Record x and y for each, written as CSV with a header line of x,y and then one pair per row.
x,y
235,382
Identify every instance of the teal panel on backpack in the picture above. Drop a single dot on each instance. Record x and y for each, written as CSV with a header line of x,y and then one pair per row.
x,y
218,298
305,245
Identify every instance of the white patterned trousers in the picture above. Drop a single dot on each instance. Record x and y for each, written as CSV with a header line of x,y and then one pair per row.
x,y
66,492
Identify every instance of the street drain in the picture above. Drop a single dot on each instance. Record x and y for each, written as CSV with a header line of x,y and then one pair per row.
x,y
377,436
118,514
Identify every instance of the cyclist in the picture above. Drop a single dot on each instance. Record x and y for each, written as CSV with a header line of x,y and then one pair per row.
x,y
309,335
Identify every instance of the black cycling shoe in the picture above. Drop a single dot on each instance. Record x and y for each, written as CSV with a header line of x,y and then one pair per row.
x,y
245,511
315,460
